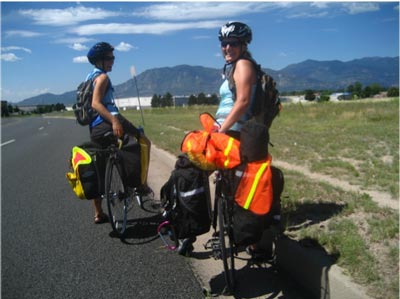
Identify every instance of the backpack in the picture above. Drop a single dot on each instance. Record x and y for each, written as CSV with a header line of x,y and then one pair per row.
x,y
87,165
185,198
267,104
83,110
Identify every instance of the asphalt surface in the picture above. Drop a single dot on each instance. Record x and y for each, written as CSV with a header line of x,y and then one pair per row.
x,y
51,248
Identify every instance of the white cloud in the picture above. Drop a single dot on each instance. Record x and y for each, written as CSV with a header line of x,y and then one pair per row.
x,y
320,4
73,40
78,47
80,59
154,28
360,7
11,57
124,47
67,16
307,15
21,33
200,10
12,48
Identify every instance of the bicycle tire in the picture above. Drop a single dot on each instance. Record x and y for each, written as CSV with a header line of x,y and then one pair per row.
x,y
116,198
226,244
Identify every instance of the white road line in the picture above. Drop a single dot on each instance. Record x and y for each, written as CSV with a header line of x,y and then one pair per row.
x,y
8,142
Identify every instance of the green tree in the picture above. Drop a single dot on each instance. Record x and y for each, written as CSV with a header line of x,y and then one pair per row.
x,y
375,88
155,101
393,92
201,99
357,89
167,100
309,95
4,109
192,100
366,93
213,100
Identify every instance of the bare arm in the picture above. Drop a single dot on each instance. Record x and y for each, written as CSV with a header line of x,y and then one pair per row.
x,y
245,77
100,89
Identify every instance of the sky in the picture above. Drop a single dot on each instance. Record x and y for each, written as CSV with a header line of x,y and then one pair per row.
x,y
44,44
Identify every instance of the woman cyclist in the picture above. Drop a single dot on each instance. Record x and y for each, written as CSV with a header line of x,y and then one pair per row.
x,y
234,107
109,118
236,99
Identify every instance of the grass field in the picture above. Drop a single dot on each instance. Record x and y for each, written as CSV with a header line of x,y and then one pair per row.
x,y
356,142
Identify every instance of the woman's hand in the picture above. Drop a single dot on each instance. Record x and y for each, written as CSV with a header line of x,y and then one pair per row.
x,y
117,127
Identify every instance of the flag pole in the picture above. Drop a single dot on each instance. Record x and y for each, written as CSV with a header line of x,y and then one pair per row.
x,y
133,74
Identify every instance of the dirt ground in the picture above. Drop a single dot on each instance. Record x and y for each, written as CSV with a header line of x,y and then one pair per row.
x,y
205,267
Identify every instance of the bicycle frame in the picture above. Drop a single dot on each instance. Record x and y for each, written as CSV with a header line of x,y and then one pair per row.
x,y
222,243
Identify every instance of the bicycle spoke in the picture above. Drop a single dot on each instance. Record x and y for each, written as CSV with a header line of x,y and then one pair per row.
x,y
226,244
116,199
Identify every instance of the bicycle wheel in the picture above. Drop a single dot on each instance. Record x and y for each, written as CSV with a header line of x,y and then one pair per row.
x,y
226,243
116,198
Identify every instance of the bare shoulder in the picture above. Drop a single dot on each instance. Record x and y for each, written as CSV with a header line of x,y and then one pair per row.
x,y
101,79
244,69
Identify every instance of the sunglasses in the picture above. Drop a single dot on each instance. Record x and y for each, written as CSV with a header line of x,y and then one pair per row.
x,y
232,44
109,58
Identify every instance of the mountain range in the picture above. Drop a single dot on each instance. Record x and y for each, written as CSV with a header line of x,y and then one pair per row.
x,y
309,74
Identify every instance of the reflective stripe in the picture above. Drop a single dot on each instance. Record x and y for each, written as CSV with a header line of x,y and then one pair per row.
x,y
227,151
80,156
192,192
254,185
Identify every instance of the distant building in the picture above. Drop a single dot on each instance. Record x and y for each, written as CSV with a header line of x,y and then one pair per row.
x,y
133,103
340,96
181,101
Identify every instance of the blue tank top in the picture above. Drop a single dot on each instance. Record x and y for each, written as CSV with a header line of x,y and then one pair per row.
x,y
107,100
226,104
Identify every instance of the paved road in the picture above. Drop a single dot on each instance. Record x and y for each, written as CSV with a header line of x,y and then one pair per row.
x,y
50,246
52,249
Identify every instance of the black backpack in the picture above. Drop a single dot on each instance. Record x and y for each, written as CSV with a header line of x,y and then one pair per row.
x,y
83,110
185,198
267,104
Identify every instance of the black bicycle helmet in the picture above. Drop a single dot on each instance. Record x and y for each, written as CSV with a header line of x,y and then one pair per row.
x,y
98,51
236,29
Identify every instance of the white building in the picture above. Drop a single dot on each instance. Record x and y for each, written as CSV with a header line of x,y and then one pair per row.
x,y
133,103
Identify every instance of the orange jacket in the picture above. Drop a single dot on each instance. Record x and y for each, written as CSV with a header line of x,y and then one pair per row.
x,y
211,151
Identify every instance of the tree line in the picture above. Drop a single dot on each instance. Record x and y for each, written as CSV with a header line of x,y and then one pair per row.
x,y
356,91
8,109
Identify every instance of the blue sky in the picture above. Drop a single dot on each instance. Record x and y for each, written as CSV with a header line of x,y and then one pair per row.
x,y
44,44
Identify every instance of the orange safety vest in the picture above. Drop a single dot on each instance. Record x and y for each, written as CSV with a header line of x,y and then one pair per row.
x,y
254,191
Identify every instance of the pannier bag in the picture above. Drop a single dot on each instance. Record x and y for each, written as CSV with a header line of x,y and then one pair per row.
x,y
254,191
88,168
185,199
253,200
144,160
254,139
130,156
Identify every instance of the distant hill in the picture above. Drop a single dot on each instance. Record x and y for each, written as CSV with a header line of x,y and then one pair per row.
x,y
309,74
